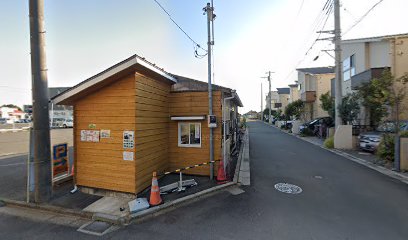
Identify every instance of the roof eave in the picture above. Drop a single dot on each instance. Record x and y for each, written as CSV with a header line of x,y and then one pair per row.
x,y
66,97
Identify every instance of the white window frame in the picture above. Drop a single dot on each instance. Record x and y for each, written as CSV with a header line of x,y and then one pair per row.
x,y
179,135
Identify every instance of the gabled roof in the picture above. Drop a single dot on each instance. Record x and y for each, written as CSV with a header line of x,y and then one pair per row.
x,y
374,39
128,66
185,84
283,90
317,70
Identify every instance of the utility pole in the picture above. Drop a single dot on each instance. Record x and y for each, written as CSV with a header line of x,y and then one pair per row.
x,y
210,18
261,103
41,127
270,97
339,67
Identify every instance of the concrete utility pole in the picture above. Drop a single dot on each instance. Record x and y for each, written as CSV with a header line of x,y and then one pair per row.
x,y
339,67
270,97
41,128
261,103
210,18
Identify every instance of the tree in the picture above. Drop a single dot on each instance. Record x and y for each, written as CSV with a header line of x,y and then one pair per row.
x,y
294,109
349,108
11,106
327,104
266,112
383,93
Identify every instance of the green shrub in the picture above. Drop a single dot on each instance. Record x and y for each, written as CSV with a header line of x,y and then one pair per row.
x,y
386,147
329,142
404,134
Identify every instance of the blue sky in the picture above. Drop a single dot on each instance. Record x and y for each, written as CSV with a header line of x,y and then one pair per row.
x,y
251,37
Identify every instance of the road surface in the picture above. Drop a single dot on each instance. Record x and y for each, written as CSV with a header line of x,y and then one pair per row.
x,y
340,200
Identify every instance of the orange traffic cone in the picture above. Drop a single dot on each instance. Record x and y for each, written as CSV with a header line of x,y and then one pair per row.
x,y
155,198
221,178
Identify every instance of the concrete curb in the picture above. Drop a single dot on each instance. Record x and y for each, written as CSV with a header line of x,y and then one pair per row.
x,y
48,208
148,213
380,169
155,211
168,206
244,176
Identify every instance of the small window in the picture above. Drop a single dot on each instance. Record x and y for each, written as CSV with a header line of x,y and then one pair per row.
x,y
349,67
189,134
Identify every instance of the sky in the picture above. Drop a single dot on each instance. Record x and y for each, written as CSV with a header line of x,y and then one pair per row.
x,y
251,37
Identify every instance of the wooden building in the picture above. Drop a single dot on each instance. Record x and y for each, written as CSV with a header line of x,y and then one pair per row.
x,y
135,118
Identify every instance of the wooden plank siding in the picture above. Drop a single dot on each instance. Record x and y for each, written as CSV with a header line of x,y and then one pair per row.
x,y
152,123
101,164
194,104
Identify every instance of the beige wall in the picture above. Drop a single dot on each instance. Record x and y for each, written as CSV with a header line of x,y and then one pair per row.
x,y
294,94
323,85
399,59
284,99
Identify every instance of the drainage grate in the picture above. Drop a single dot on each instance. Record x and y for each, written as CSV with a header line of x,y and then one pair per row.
x,y
288,188
97,228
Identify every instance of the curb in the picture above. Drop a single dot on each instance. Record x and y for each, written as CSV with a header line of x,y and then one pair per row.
x,y
380,169
158,210
142,215
48,208
168,206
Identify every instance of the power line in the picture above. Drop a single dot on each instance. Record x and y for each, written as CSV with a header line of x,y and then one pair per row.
x,y
326,10
181,29
362,17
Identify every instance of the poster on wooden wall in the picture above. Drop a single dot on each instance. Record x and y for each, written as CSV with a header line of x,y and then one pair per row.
x,y
89,136
128,156
105,133
128,139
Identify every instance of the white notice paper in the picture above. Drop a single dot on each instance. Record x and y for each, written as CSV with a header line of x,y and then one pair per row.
x,y
128,156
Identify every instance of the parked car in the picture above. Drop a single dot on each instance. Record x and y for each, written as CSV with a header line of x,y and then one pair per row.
x,y
68,123
369,141
315,123
3,121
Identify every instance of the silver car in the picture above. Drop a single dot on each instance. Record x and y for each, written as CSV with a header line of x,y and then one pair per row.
x,y
369,141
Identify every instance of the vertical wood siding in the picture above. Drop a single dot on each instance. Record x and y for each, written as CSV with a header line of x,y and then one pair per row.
x,y
101,164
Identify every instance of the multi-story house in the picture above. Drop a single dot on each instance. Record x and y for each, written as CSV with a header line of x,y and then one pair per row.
x,y
294,94
366,58
284,96
273,99
313,82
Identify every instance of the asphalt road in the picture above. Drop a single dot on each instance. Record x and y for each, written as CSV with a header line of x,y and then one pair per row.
x,y
340,200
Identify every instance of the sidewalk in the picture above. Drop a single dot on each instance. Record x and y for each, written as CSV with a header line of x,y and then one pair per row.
x,y
364,158
63,202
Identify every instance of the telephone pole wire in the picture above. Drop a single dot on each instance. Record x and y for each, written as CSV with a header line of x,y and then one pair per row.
x,y
41,127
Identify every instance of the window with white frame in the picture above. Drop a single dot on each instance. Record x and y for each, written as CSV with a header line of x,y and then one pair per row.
x,y
349,68
189,134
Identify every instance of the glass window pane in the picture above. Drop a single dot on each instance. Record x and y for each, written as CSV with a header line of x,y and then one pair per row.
x,y
184,133
195,133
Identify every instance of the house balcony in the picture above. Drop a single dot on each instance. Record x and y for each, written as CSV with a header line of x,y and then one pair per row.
x,y
308,96
365,77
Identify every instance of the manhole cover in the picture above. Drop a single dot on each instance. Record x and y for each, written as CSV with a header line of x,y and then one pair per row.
x,y
288,188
